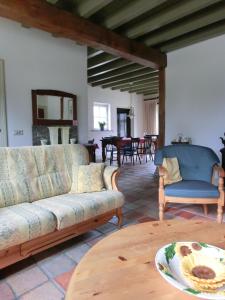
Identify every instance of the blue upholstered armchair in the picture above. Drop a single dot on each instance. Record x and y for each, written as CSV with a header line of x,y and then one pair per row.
x,y
197,166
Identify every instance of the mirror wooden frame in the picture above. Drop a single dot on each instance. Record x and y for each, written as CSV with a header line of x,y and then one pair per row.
x,y
47,122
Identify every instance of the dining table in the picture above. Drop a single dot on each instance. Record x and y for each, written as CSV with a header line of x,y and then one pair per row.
x,y
119,143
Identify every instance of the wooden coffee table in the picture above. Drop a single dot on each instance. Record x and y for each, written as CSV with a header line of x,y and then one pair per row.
x,y
122,267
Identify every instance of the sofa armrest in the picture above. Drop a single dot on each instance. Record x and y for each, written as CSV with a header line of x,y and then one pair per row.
x,y
110,176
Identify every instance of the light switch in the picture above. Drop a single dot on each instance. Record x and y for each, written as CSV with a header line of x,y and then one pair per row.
x,y
18,132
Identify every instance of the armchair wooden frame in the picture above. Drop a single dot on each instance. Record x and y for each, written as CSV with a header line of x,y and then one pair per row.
x,y
21,251
163,199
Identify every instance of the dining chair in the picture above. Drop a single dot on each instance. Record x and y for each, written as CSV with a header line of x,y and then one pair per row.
x,y
198,166
131,149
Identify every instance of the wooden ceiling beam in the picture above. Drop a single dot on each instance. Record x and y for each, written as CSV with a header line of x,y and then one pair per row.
x,y
150,91
114,65
196,21
135,83
41,15
120,71
52,1
177,11
136,73
156,94
87,8
100,60
93,52
129,12
143,90
140,87
194,37
130,80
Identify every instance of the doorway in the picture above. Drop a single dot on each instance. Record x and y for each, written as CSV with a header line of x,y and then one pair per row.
x,y
123,122
3,126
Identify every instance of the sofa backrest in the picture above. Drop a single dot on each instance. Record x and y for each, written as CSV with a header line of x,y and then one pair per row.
x,y
195,162
32,173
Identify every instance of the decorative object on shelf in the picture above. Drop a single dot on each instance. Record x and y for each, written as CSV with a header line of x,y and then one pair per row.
x,y
101,125
73,141
181,139
44,142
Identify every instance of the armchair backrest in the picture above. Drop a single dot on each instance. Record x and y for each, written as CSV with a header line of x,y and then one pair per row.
x,y
195,162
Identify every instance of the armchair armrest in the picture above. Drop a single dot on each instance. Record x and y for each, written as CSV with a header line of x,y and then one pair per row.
x,y
219,170
110,176
162,171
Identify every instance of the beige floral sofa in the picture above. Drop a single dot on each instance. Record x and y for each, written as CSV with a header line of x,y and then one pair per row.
x,y
37,208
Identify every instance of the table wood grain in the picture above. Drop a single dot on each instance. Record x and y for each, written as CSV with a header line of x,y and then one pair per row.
x,y
122,267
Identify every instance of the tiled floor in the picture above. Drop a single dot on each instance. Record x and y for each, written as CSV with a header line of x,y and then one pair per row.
x,y
46,275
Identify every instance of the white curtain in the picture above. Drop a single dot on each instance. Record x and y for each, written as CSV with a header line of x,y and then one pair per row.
x,y
151,116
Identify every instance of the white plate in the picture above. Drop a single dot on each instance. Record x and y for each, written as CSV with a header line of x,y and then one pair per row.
x,y
166,257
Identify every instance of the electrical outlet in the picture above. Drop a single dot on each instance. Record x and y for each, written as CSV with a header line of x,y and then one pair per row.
x,y
18,132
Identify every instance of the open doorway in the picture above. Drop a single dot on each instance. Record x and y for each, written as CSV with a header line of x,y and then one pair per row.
x,y
3,127
123,122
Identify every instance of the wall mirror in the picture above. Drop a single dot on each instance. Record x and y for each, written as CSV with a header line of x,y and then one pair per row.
x,y
52,107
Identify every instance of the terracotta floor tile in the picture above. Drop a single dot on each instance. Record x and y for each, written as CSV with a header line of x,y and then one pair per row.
x,y
47,291
63,279
133,215
77,251
57,265
185,214
146,219
26,280
94,241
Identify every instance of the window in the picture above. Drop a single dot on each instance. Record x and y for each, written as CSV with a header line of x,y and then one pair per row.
x,y
101,113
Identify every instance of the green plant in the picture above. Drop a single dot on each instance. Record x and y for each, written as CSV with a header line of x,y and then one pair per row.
x,y
102,125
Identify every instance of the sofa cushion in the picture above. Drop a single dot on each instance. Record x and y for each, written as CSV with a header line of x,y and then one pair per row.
x,y
89,178
71,209
192,189
24,222
33,173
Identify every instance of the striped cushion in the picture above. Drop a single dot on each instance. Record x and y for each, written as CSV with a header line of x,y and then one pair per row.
x,y
71,209
24,222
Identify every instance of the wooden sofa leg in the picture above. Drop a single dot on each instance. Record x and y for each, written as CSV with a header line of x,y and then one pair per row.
x,y
220,214
119,216
205,209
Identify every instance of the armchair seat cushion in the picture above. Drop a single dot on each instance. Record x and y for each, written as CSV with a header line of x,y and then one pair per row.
x,y
71,209
192,189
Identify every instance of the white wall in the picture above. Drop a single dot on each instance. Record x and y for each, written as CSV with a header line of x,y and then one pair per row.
x,y
36,60
116,99
195,93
